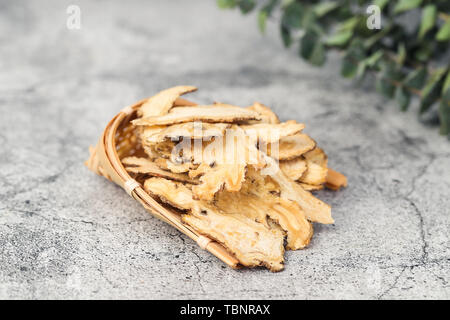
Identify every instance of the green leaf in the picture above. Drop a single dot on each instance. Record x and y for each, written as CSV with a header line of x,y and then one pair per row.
x,y
444,32
318,56
339,39
270,6
323,8
429,14
292,16
307,44
226,4
312,49
381,3
416,79
368,62
391,71
262,18
388,77
286,36
309,20
385,87
369,42
405,5
349,24
374,58
246,5
361,70
446,84
401,55
403,97
354,55
444,113
349,68
424,52
264,13
432,90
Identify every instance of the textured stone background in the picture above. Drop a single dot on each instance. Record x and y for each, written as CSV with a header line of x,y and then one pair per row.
x,y
67,233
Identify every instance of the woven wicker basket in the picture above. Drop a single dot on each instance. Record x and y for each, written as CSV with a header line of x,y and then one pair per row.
x,y
119,141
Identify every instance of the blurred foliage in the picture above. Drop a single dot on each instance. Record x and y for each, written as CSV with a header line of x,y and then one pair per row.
x,y
408,57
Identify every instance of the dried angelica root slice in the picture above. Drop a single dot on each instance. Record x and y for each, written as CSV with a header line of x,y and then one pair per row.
x,y
160,150
317,156
311,187
291,147
259,205
267,115
294,168
315,174
225,166
180,102
212,113
145,166
269,133
286,212
314,209
167,164
163,101
229,176
335,180
145,133
291,218
251,242
174,193
193,130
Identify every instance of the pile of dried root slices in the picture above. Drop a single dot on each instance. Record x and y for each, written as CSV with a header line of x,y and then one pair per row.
x,y
257,203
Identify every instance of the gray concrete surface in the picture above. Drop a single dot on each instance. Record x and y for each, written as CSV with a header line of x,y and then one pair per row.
x,y
67,233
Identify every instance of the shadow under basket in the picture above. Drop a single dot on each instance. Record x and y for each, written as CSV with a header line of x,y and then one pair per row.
x,y
118,141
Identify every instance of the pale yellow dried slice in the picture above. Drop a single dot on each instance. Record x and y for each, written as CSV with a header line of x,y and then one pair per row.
x,y
251,242
311,187
193,130
294,168
314,209
228,176
188,150
173,193
149,148
163,101
318,156
145,133
212,113
291,218
180,102
315,174
267,115
258,203
164,149
225,167
291,147
158,105
335,180
145,166
167,164
269,133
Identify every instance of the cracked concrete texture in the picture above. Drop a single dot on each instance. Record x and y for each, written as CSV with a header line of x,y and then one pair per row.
x,y
66,233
